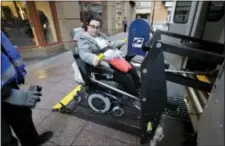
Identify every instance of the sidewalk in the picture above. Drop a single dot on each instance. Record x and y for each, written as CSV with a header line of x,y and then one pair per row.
x,y
56,76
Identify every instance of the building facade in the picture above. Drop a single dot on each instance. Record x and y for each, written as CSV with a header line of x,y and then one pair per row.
x,y
155,12
169,6
162,9
42,28
143,10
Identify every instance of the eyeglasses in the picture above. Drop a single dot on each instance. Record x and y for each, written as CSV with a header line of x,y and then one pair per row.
x,y
95,27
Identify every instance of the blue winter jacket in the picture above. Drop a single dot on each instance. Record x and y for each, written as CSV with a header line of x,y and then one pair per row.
x,y
12,67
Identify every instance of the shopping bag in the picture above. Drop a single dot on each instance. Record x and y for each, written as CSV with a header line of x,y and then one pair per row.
x,y
77,75
111,54
120,64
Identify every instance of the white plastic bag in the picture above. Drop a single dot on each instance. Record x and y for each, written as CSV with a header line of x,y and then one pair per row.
x,y
120,53
77,75
111,54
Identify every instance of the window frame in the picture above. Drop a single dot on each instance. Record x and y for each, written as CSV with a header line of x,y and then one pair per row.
x,y
174,20
36,26
209,11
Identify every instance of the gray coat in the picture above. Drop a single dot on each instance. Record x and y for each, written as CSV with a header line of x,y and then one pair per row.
x,y
88,49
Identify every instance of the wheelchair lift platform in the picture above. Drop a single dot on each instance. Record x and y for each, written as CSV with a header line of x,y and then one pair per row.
x,y
158,110
128,122
177,127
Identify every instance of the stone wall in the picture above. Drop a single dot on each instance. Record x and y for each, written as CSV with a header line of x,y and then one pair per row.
x,y
69,17
110,20
129,12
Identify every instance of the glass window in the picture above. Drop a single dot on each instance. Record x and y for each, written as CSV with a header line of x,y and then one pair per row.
x,y
46,21
216,11
16,24
118,5
118,15
97,8
86,7
118,19
182,11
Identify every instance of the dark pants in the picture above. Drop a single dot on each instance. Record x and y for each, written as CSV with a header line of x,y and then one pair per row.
x,y
130,81
7,138
125,27
20,120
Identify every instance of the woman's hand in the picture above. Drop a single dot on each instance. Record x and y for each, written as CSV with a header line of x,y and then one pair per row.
x,y
96,61
100,56
124,40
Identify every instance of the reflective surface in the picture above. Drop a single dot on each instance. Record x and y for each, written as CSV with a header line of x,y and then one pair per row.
x,y
16,24
46,21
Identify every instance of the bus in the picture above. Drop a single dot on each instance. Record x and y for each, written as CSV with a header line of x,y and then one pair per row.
x,y
203,20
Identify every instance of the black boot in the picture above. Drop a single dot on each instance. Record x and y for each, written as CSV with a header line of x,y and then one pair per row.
x,y
44,137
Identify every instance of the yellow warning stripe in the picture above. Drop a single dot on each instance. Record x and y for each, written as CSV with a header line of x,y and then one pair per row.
x,y
66,99
149,127
203,78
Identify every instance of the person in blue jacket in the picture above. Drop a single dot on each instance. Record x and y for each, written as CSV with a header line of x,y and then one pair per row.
x,y
16,103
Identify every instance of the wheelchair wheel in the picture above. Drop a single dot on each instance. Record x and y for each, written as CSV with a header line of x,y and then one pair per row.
x,y
99,103
118,111
77,99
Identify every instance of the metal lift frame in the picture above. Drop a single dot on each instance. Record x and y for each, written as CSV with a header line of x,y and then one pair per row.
x,y
192,48
153,88
153,74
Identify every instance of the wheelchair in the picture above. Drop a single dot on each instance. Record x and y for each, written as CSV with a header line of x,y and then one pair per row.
x,y
102,94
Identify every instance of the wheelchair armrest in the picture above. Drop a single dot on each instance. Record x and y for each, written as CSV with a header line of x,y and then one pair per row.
x,y
102,72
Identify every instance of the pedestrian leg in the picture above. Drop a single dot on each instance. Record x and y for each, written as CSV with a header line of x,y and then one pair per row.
x,y
6,135
20,119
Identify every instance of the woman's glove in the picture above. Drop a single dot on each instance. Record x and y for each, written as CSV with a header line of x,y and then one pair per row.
x,y
23,98
124,40
96,60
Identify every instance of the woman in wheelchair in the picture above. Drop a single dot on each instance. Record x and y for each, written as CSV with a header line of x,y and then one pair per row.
x,y
92,42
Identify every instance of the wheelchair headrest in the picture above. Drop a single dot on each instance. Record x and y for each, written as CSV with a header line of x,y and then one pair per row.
x,y
75,33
